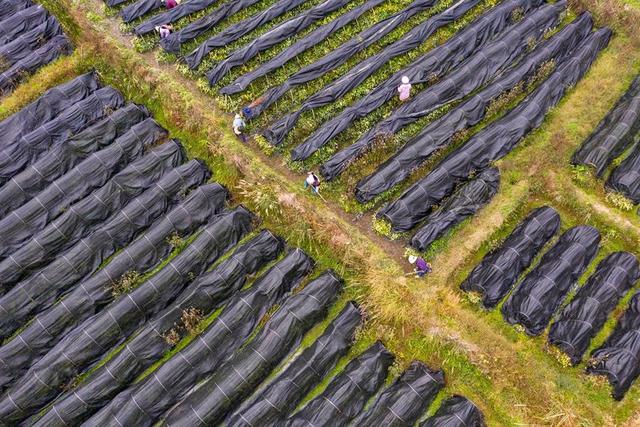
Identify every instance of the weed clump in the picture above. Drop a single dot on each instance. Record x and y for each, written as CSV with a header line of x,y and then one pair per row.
x,y
125,284
619,201
190,324
383,228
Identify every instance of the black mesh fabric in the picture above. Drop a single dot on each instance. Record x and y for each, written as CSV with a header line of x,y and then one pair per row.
x,y
495,141
435,63
335,90
464,203
541,292
347,393
93,294
92,339
439,134
139,8
26,150
456,411
47,107
41,290
625,178
272,37
172,15
469,76
25,43
585,315
614,133
499,270
339,56
95,171
59,160
143,403
221,393
148,344
21,21
402,403
618,358
273,404
12,7
236,31
299,46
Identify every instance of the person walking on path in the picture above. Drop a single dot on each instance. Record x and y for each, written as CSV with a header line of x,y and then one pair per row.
x,y
422,267
404,89
238,127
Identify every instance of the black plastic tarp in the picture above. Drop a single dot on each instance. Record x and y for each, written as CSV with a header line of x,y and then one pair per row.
x,y
236,31
625,178
11,7
587,312
97,335
206,294
29,148
347,393
221,393
59,160
92,173
342,54
272,37
172,15
469,76
50,51
495,141
48,106
614,134
93,294
361,71
456,411
273,404
462,204
541,292
20,22
298,47
174,41
24,44
499,270
619,357
434,63
139,9
41,290
439,133
402,403
143,403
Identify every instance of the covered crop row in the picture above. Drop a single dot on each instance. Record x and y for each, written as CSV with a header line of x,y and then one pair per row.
x,y
626,177
29,39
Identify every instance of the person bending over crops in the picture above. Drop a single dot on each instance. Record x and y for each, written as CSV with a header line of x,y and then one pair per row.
x,y
404,89
164,30
312,182
238,127
421,268
170,4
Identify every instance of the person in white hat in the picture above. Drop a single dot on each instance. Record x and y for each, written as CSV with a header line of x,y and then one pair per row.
x,y
404,89
238,127
422,267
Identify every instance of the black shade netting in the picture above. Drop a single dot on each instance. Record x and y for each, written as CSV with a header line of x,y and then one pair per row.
x,y
19,225
618,358
30,147
42,289
47,107
11,7
59,160
172,15
272,37
614,134
96,336
220,394
338,88
439,134
55,47
541,292
242,28
280,397
347,393
139,8
456,411
298,47
24,44
586,314
93,294
469,76
499,270
625,178
403,402
149,343
463,204
21,21
342,54
434,64
495,141
173,42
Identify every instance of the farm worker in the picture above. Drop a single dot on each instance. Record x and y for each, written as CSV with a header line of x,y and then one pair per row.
x,y
164,30
404,89
422,267
238,127
170,4
313,182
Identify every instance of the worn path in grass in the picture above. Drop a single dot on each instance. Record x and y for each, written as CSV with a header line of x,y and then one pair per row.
x,y
509,375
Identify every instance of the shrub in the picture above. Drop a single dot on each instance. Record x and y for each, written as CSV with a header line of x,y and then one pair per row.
x,y
191,318
125,284
172,337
